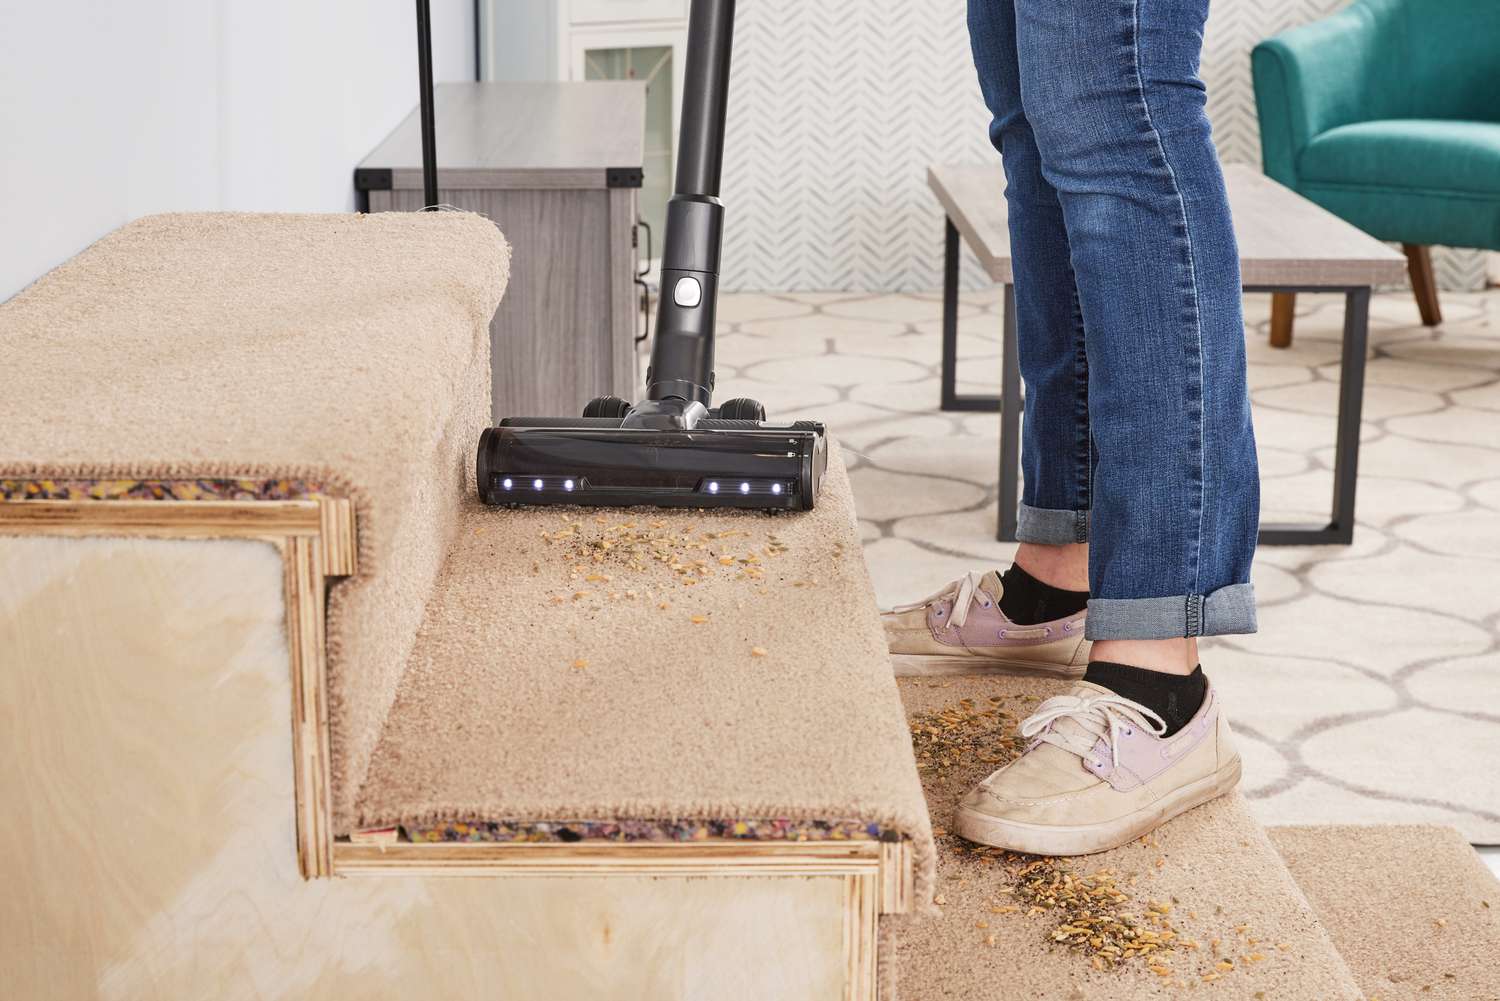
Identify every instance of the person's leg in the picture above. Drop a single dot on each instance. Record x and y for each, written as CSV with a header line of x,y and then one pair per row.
x,y
1111,91
1032,617
1055,449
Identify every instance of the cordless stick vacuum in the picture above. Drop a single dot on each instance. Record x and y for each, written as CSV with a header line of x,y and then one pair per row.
x,y
671,449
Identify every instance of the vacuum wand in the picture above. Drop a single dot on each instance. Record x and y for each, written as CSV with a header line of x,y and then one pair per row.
x,y
682,357
670,449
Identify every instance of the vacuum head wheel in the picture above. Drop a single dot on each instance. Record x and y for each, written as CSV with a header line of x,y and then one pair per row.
x,y
741,408
606,406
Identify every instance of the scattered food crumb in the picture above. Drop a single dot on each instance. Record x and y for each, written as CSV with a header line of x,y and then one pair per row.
x,y
580,663
757,651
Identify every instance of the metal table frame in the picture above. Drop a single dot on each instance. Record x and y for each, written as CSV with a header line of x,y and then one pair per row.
x,y
1340,527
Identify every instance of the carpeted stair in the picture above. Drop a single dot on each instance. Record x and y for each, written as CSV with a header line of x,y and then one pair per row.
x,y
647,666
1412,909
345,355
1206,904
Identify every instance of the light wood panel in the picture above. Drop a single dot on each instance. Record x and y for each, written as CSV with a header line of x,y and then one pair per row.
x,y
1284,239
295,529
148,851
888,864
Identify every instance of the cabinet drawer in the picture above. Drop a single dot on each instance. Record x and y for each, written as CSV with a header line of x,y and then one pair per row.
x,y
600,11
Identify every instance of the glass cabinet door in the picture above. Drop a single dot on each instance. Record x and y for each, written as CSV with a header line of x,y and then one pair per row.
x,y
653,65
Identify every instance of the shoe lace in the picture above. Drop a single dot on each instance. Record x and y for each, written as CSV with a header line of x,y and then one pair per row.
x,y
964,592
1097,714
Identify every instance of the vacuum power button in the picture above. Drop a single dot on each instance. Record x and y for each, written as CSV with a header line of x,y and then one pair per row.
x,y
687,292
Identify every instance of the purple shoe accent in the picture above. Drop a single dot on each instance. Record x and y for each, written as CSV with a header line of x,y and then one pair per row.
x,y
986,624
1143,755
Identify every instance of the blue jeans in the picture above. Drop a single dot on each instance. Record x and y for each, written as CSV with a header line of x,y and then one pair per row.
x,y
1137,435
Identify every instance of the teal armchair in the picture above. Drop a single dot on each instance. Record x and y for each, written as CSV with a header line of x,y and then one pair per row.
x,y
1387,114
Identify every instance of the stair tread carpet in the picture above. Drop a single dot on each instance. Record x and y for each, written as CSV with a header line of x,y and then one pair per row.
x,y
1413,909
1202,906
627,665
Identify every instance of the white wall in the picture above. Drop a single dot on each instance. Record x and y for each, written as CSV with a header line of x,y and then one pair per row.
x,y
112,110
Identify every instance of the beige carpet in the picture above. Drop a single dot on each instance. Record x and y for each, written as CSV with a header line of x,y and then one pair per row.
x,y
1412,909
347,350
1207,893
1371,692
650,665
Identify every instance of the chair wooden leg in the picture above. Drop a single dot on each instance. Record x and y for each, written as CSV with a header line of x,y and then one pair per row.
x,y
1283,306
1419,266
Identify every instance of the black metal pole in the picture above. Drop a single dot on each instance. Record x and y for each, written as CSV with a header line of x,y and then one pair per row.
x,y
424,83
705,98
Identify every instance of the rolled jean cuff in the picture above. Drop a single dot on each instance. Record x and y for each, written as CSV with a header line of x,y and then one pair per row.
x,y
1050,526
1228,610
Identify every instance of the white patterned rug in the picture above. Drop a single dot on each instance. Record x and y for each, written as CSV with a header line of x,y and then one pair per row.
x,y
1371,693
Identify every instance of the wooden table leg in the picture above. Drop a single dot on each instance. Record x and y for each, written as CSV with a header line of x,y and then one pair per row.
x,y
1423,285
1283,307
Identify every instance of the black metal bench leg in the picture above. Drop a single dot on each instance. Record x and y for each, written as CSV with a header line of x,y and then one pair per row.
x,y
950,315
948,389
1351,411
1010,423
1340,528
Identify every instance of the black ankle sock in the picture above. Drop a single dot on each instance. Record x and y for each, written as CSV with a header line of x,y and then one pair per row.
x,y
1175,698
1027,601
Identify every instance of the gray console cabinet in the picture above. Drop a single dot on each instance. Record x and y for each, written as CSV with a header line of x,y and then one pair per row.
x,y
557,167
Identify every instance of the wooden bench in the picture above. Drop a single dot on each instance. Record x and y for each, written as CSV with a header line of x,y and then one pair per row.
x,y
1287,245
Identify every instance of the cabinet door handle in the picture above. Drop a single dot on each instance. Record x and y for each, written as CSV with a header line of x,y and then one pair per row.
x,y
640,278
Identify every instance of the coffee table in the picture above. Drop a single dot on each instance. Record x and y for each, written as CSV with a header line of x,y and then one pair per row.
x,y
1287,244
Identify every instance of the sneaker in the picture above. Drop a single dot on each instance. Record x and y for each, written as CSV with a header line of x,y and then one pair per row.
x,y
1098,774
961,630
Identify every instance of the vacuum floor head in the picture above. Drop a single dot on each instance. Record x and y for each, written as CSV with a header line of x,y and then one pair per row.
x,y
597,461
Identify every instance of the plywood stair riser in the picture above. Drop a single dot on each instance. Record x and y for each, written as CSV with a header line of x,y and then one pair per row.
x,y
167,671
315,539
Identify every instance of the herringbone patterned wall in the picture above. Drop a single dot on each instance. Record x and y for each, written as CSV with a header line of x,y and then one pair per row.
x,y
838,106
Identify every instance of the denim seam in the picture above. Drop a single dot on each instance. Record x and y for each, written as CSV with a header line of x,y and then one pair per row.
x,y
1135,44
1081,399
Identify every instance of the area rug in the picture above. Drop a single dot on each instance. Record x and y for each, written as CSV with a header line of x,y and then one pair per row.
x,y
1371,693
